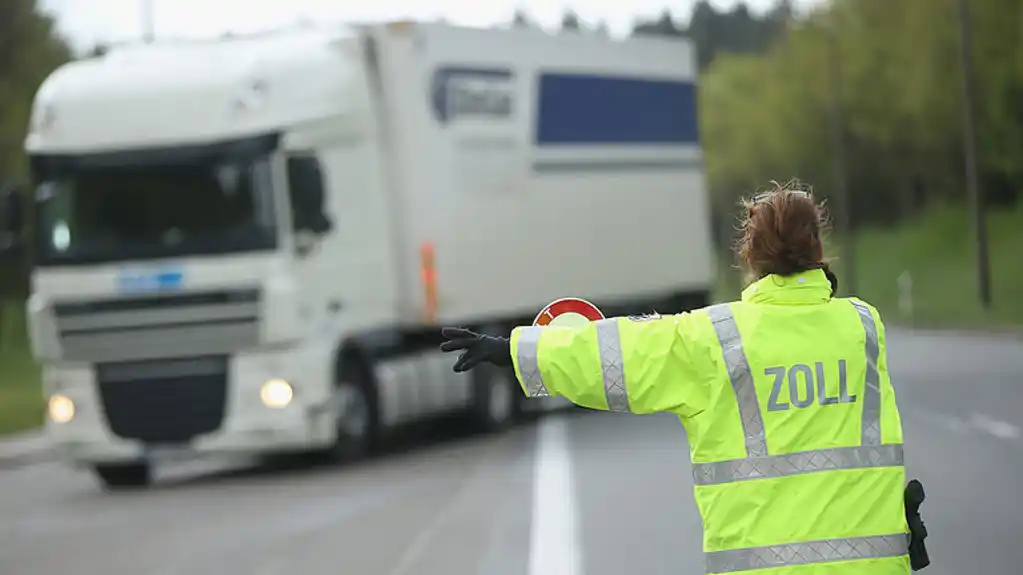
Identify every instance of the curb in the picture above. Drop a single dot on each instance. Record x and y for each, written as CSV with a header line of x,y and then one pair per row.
x,y
24,450
1011,332
23,460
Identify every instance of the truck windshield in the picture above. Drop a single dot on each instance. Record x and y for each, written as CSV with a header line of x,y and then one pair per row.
x,y
103,214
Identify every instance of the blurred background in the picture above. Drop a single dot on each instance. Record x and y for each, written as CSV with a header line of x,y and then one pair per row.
x,y
906,115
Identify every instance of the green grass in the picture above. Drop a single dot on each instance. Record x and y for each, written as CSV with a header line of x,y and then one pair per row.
x,y
21,394
937,251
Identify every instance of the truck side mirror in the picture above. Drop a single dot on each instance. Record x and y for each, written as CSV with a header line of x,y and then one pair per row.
x,y
12,222
12,210
305,179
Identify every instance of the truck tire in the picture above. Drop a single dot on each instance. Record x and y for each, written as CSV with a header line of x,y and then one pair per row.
x,y
123,475
358,421
496,399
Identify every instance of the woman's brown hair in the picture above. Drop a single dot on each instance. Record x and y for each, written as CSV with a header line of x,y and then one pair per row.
x,y
782,232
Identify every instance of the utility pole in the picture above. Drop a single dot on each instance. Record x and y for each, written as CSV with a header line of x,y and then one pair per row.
x,y
148,21
837,121
970,153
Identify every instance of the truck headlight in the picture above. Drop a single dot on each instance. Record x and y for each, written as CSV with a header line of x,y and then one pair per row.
x,y
276,393
60,408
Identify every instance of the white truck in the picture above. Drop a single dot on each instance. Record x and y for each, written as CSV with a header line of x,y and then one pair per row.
x,y
247,245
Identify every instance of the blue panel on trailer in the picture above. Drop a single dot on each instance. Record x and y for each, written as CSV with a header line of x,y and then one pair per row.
x,y
586,109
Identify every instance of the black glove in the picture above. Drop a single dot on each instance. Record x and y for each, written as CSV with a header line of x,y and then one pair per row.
x,y
914,496
478,348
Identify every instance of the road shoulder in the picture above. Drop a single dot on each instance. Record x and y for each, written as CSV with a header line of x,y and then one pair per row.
x,y
23,449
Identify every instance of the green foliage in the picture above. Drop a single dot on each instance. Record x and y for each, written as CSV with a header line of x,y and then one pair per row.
x,y
21,393
937,251
766,116
29,51
21,396
714,32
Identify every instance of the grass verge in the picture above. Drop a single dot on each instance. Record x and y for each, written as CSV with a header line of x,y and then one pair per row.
x,y
21,393
937,253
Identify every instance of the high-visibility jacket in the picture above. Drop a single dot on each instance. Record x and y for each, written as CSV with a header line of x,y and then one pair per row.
x,y
795,438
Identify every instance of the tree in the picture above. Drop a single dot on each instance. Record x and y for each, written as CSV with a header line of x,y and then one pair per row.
x,y
521,20
782,12
764,115
30,49
570,22
98,51
663,26
737,31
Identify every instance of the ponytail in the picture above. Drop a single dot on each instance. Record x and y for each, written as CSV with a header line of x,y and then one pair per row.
x,y
832,279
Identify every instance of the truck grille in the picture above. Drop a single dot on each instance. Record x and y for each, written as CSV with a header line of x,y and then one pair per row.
x,y
164,401
159,327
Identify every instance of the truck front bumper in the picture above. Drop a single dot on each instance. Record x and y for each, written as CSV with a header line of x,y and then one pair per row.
x,y
217,415
80,450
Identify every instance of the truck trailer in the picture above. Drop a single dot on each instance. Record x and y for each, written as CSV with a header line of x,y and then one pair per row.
x,y
247,245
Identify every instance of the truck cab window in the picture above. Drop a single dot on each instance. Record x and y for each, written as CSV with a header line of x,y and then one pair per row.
x,y
159,210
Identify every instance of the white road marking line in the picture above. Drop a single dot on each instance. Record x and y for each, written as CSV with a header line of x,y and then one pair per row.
x,y
995,427
554,541
954,423
975,423
949,422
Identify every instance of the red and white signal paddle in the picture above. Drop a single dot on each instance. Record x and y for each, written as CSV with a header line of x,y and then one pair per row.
x,y
568,312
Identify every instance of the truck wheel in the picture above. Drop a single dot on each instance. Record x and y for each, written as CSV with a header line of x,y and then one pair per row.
x,y
123,476
496,398
358,420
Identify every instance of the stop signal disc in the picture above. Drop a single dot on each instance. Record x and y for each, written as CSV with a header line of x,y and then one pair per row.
x,y
568,311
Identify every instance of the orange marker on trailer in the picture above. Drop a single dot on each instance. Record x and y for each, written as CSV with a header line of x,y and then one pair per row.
x,y
428,278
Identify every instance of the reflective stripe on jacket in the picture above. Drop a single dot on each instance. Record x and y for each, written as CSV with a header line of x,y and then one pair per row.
x,y
794,434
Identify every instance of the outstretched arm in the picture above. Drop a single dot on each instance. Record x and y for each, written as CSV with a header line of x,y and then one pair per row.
x,y
629,365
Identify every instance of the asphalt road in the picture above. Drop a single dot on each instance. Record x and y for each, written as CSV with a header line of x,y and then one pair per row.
x,y
578,494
